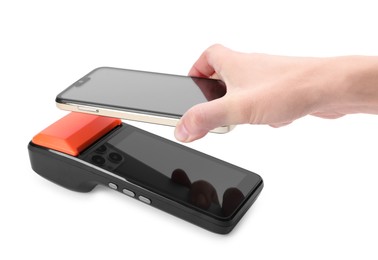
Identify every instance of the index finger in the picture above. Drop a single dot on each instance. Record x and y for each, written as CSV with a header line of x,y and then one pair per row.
x,y
208,63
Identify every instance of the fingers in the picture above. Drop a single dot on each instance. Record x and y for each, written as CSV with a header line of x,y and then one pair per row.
x,y
209,62
277,125
328,115
201,119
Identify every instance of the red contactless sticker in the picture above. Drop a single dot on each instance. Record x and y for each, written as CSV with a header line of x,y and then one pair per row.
x,y
75,132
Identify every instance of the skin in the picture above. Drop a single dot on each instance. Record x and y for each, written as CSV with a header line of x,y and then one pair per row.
x,y
276,90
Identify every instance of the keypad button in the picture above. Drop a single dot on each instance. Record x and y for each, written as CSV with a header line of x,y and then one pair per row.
x,y
113,186
144,199
128,192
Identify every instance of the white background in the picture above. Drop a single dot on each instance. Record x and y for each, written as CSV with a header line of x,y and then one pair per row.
x,y
321,176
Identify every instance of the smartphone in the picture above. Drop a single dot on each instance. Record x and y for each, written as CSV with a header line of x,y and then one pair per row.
x,y
80,151
139,95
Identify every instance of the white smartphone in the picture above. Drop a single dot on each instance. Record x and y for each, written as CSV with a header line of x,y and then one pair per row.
x,y
139,95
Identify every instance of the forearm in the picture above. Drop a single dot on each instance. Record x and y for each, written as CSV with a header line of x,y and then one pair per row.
x,y
354,85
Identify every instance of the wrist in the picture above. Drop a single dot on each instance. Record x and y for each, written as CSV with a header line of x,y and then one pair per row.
x,y
362,84
349,84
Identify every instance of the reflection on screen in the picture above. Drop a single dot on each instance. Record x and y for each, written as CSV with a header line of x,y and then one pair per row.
x,y
179,174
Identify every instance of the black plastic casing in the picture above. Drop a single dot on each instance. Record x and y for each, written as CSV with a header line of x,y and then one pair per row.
x,y
78,175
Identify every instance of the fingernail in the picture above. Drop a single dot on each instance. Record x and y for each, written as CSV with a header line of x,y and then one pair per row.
x,y
181,133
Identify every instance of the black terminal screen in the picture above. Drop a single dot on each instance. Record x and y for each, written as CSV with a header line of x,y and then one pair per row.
x,y
177,172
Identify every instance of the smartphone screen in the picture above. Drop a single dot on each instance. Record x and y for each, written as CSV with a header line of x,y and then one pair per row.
x,y
140,91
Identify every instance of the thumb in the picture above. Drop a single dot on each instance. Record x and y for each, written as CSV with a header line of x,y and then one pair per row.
x,y
202,118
